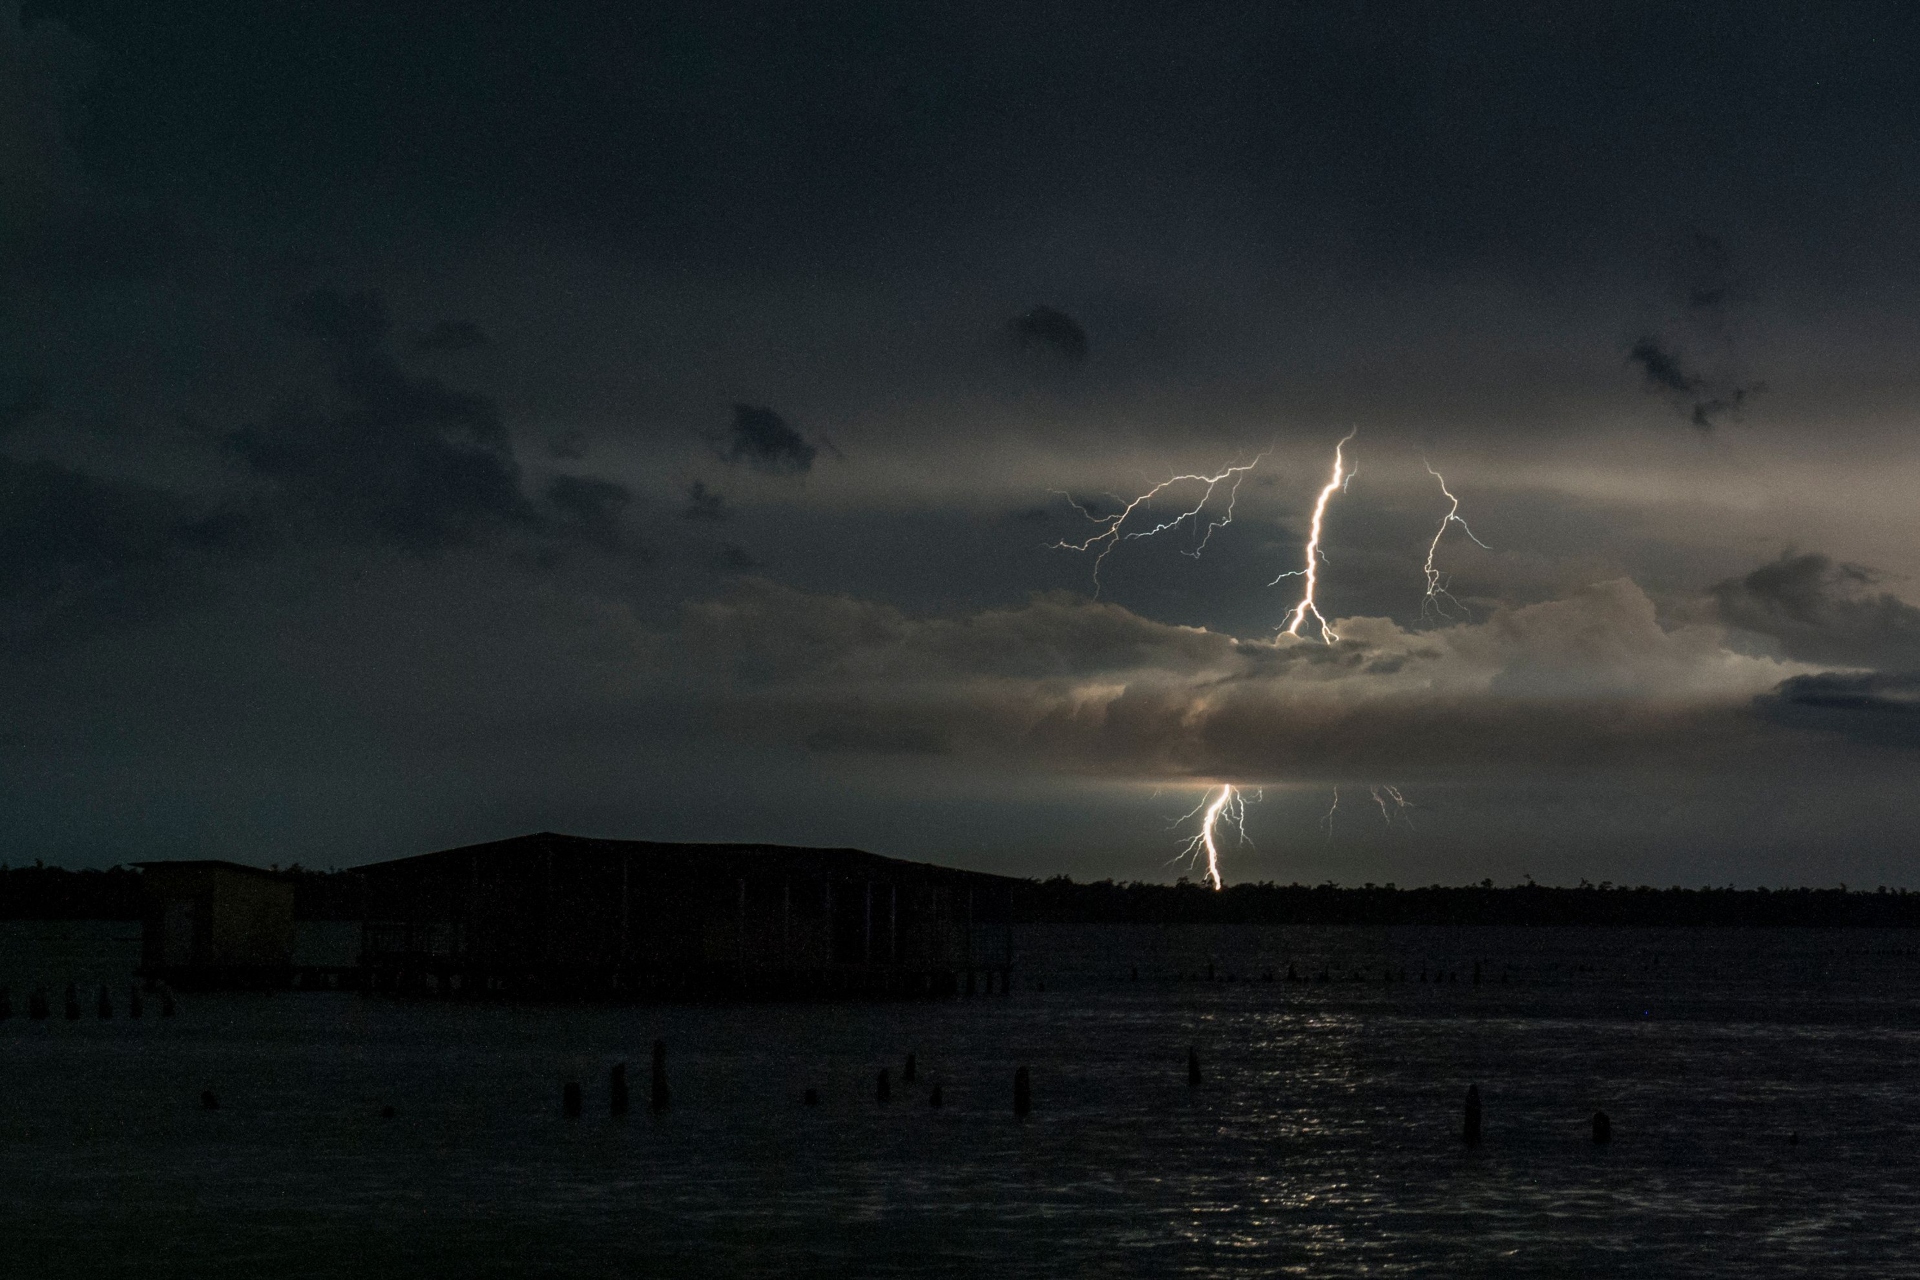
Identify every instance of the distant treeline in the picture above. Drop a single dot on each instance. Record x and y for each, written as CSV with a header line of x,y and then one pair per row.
x,y
51,893
1062,901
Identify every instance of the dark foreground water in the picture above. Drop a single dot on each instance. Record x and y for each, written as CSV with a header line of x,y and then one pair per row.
x,y
1324,1140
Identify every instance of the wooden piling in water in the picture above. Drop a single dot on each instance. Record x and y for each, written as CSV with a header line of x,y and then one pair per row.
x,y
1022,1092
617,1089
661,1094
570,1100
1193,1068
1470,1132
1602,1129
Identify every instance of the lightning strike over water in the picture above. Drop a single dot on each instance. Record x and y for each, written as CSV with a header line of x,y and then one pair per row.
x,y
1227,805
1113,527
1332,809
1437,597
1311,571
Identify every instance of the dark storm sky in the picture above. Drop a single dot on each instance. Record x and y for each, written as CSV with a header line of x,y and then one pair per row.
x,y
421,423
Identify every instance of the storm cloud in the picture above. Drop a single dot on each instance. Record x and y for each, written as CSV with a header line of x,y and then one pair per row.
x,y
1820,610
763,441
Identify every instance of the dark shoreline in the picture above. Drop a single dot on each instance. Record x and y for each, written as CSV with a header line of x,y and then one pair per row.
x,y
53,893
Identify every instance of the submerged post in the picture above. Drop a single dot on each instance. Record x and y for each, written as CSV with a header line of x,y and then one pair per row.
x,y
1470,1134
617,1089
1193,1068
661,1094
1022,1092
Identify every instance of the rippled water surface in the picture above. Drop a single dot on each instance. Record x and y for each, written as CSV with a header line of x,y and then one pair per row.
x,y
1323,1140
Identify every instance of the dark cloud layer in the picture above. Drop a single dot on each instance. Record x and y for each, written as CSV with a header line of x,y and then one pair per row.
x,y
405,459
1823,611
1704,404
1880,709
763,441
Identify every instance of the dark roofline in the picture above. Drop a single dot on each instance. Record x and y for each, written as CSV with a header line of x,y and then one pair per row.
x,y
551,838
213,862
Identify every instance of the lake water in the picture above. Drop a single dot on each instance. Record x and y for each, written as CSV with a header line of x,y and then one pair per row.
x,y
1324,1140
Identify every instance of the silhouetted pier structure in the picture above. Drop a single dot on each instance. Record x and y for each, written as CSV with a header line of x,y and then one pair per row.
x,y
563,917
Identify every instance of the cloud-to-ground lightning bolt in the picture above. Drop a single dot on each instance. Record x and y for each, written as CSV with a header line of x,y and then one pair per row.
x,y
1113,528
1311,571
1226,805
1332,809
1400,802
1435,602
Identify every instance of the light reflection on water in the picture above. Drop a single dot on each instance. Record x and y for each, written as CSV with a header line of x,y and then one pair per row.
x,y
1324,1140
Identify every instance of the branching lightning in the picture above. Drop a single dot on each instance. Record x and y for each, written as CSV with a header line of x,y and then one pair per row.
x,y
1227,805
1437,597
1400,804
1113,528
1339,480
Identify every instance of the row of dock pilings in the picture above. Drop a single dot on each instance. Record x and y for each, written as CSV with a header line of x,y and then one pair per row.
x,y
40,1008
618,1098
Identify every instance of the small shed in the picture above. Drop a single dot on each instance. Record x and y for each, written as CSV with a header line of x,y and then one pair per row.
x,y
216,924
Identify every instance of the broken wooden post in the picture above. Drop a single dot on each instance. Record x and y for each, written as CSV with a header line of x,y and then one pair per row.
x,y
1471,1133
617,1089
661,1095
1022,1092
